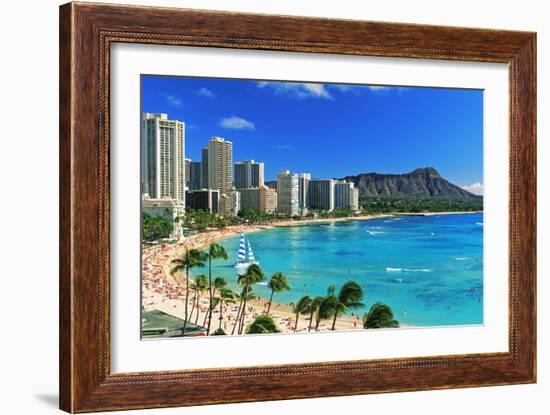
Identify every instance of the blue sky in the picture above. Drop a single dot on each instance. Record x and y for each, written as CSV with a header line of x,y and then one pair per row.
x,y
328,130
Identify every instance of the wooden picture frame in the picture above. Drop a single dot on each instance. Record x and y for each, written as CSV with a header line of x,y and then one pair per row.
x,y
86,33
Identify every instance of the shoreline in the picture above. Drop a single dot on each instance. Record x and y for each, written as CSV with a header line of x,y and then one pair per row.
x,y
231,231
165,292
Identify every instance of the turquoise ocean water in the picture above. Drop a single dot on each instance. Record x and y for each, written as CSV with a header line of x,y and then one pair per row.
x,y
429,269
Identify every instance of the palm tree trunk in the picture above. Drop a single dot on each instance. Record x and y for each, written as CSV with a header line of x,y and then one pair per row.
x,y
296,322
193,307
243,315
310,321
186,299
210,291
197,300
221,314
317,321
237,317
206,316
334,319
270,300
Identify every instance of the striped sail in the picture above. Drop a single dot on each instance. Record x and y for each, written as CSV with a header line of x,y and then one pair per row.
x,y
250,254
241,254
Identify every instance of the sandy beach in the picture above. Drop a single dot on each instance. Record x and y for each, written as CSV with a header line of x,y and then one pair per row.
x,y
164,292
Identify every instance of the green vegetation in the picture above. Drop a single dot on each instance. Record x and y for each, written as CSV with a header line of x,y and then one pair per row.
x,y
192,258
301,307
336,213
349,297
328,307
200,220
215,251
246,295
418,205
313,309
277,284
200,285
262,325
253,275
155,227
226,297
379,316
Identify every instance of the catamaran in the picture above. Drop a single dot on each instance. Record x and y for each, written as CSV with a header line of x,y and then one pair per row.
x,y
242,263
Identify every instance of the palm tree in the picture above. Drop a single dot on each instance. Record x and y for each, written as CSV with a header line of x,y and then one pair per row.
x,y
253,275
192,258
215,251
219,283
349,297
215,302
301,307
262,324
313,309
277,283
246,294
379,316
226,297
195,289
326,308
201,284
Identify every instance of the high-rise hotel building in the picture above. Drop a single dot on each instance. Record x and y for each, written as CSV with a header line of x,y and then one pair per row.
x,y
346,195
220,164
287,193
204,168
321,194
162,157
249,174
193,171
303,186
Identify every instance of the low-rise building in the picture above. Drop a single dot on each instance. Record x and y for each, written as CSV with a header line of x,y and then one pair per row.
x,y
203,199
260,199
168,209
230,203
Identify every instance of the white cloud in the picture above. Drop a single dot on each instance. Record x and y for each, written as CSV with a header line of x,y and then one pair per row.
x,y
297,90
358,89
237,123
205,92
475,188
174,100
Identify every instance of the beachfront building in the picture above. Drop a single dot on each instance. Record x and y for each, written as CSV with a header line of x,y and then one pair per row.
x,y
321,194
220,164
303,184
268,200
249,174
230,203
203,199
204,168
250,199
162,157
346,195
287,193
193,174
168,209
260,199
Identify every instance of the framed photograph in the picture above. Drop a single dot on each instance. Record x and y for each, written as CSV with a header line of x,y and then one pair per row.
x,y
258,207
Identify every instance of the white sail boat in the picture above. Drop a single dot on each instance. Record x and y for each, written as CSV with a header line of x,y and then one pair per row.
x,y
242,263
